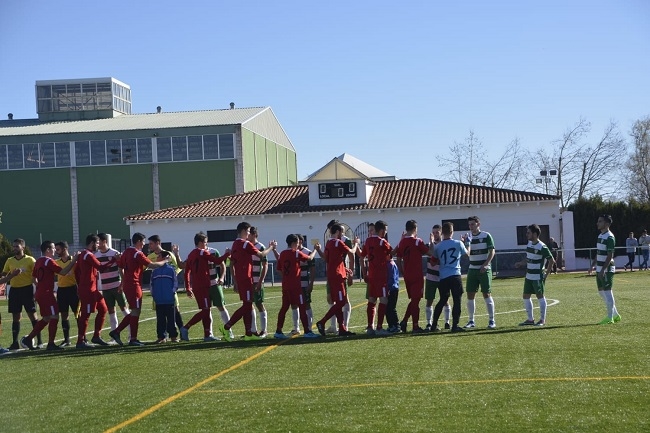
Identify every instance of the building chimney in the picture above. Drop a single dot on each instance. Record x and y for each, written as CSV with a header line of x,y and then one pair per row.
x,y
10,116
159,109
232,105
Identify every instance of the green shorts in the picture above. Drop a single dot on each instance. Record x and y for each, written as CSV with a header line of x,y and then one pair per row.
x,y
605,283
475,279
216,296
533,287
258,297
430,290
112,297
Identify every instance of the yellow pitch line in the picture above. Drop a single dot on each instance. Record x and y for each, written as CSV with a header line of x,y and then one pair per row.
x,y
442,382
193,388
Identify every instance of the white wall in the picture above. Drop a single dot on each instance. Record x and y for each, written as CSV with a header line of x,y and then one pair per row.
x,y
500,221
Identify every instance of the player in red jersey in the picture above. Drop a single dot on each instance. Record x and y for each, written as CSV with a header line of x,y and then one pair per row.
x,y
90,299
197,284
409,253
288,265
133,262
44,274
337,275
242,268
378,251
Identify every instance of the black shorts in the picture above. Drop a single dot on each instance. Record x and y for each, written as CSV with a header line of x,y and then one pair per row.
x,y
20,297
451,286
67,298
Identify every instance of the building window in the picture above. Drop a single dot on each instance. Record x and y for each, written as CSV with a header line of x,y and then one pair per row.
x,y
47,155
226,146
113,152
15,155
195,147
31,155
164,149
129,154
222,235
82,153
460,225
210,147
98,152
62,154
144,150
544,236
179,148
3,157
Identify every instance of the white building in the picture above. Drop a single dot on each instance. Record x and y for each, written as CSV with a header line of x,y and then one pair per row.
x,y
355,193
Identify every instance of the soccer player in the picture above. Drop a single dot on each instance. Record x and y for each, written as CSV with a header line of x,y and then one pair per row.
x,y
90,299
260,268
307,283
19,267
44,274
242,269
433,280
133,262
347,308
480,271
337,276
197,285
449,253
536,254
217,273
307,275
378,251
409,253
109,283
605,268
289,262
66,295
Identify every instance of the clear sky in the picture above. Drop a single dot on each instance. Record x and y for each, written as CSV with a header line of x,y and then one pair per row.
x,y
391,83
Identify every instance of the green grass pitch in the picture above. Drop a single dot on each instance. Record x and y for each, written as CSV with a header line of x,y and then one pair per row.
x,y
569,376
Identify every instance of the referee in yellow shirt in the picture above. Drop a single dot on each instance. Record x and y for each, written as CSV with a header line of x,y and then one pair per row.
x,y
21,294
66,295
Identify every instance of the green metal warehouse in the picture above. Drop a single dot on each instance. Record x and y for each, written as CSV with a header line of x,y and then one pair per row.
x,y
86,161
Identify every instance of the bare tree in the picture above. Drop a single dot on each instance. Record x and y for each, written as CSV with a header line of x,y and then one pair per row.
x,y
582,170
638,164
468,163
506,171
464,160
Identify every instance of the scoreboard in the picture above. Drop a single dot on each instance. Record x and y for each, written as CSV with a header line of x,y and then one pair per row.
x,y
337,190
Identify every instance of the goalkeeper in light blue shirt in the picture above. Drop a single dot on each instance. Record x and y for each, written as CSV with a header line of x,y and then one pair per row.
x,y
449,252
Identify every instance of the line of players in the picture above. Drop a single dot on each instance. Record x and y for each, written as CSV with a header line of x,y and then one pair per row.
x,y
103,277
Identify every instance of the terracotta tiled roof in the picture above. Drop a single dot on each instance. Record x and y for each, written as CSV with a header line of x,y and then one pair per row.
x,y
405,193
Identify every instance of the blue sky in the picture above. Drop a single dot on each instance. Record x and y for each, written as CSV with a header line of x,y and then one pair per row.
x,y
392,83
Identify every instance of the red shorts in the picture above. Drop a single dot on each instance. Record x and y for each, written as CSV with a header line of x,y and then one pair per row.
x,y
338,291
88,301
202,297
134,297
47,303
376,290
415,288
295,297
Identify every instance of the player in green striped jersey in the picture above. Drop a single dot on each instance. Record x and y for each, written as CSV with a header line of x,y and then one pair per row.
x,y
536,254
480,271
605,268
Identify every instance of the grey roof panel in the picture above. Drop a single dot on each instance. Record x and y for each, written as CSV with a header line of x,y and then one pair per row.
x,y
163,120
